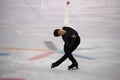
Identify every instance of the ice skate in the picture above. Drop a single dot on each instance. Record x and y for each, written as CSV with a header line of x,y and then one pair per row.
x,y
53,65
73,67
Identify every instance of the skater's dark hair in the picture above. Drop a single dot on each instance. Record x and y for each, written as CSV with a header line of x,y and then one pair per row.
x,y
56,32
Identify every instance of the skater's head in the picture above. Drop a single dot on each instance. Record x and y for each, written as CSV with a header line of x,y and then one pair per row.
x,y
59,32
56,32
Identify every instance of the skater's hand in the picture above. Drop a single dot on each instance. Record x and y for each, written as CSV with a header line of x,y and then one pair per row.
x,y
68,2
73,36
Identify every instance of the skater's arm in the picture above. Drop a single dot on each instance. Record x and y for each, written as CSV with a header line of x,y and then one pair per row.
x,y
66,16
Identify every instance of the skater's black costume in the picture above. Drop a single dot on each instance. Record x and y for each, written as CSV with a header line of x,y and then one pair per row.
x,y
72,40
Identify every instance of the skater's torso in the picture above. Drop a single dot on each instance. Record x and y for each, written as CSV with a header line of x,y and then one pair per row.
x,y
69,33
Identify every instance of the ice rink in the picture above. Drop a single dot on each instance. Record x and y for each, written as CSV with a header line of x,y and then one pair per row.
x,y
28,47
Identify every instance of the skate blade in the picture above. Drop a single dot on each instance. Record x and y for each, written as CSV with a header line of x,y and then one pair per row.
x,y
75,68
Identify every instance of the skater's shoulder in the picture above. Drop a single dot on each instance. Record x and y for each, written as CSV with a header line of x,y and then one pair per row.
x,y
67,28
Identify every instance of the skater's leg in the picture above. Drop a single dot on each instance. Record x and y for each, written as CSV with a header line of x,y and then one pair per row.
x,y
70,56
75,45
74,64
72,59
57,63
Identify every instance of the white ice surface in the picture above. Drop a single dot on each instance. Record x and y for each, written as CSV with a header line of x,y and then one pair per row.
x,y
27,24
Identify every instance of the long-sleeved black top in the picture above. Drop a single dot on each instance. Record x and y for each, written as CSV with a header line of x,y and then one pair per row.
x,y
70,36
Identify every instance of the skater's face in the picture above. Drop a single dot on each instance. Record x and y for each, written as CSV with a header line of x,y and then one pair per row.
x,y
61,32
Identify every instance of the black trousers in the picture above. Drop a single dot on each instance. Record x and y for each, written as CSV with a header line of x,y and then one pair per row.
x,y
68,53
